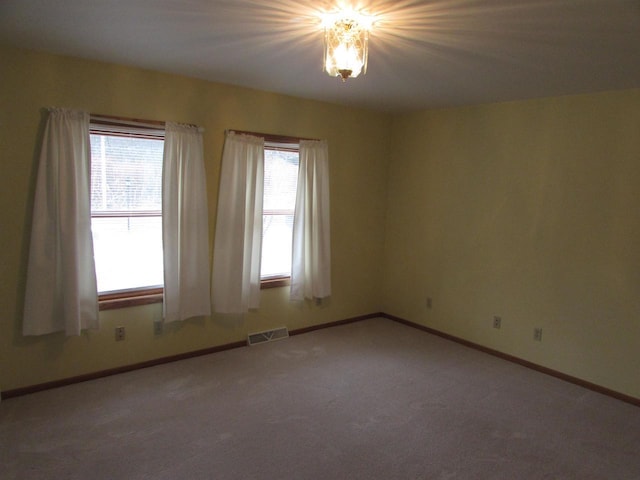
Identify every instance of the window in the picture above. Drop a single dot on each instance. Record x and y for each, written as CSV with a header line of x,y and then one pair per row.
x,y
295,251
280,182
126,208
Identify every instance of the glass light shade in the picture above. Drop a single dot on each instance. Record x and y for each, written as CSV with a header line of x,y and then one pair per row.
x,y
345,48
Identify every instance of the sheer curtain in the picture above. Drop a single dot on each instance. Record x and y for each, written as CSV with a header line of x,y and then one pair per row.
x,y
185,227
238,242
311,261
61,292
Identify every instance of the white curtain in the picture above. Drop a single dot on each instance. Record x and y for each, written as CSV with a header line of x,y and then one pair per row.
x,y
61,292
238,242
185,227
311,261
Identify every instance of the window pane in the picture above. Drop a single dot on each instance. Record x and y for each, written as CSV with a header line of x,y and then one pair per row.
x,y
276,245
128,252
126,174
280,179
126,208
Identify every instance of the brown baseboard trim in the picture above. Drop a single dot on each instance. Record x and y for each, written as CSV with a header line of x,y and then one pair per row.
x,y
117,370
525,363
229,346
337,323
18,392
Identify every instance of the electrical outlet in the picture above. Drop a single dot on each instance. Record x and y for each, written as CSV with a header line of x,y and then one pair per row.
x,y
119,333
537,334
497,321
429,302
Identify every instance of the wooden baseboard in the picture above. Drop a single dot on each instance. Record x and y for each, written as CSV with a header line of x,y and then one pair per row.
x,y
337,323
17,392
525,363
117,370
196,353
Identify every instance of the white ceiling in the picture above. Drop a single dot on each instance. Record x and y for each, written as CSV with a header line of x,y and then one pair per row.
x,y
422,53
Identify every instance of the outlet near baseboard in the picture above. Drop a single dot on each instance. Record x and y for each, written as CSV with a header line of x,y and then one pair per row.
x,y
537,334
119,334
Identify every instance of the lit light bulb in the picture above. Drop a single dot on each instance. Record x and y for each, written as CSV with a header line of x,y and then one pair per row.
x,y
346,44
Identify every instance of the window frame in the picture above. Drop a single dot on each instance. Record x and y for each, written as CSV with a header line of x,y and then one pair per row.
x,y
131,128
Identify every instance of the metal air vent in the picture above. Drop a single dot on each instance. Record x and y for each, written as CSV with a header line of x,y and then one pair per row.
x,y
267,336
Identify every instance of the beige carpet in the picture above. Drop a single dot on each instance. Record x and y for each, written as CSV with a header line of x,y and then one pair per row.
x,y
370,400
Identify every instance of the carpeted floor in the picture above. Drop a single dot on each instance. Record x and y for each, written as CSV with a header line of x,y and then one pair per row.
x,y
369,400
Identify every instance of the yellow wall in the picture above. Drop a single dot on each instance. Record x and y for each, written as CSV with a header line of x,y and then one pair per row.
x,y
358,155
528,210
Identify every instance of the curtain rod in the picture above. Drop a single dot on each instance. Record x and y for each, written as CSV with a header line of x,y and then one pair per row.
x,y
269,137
134,121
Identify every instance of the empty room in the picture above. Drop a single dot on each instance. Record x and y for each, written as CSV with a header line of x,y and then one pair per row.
x,y
312,240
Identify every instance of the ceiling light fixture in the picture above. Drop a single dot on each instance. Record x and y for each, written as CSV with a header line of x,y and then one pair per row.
x,y
346,39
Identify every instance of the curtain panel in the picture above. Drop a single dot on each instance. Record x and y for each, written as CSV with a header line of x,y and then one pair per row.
x,y
238,238
311,260
185,225
61,292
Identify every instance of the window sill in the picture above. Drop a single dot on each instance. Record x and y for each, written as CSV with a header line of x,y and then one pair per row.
x,y
111,301
275,282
